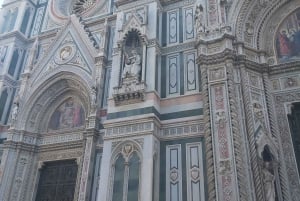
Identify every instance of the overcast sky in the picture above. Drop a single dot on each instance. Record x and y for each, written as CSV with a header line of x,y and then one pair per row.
x,y
1,3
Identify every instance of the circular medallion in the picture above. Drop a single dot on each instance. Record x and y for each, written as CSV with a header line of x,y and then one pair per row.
x,y
65,54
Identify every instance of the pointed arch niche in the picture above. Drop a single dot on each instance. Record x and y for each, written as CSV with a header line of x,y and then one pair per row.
x,y
133,55
132,86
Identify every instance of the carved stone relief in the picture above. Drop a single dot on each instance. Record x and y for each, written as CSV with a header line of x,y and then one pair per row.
x,y
59,155
225,177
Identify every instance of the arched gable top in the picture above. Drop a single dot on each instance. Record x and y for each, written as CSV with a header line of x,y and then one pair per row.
x,y
133,26
254,22
73,46
133,33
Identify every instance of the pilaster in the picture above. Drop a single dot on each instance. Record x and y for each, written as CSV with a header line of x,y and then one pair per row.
x,y
17,165
104,182
88,165
228,177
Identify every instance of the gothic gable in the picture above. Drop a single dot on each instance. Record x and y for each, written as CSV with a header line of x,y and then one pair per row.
x,y
72,50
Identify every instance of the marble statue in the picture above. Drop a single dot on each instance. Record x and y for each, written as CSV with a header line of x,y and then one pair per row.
x,y
268,179
14,113
199,19
132,65
94,95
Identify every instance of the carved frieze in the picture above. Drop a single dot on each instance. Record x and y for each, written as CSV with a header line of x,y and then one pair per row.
x,y
179,131
286,82
129,129
222,143
60,155
130,92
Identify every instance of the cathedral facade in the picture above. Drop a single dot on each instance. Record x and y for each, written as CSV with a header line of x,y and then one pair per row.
x,y
150,100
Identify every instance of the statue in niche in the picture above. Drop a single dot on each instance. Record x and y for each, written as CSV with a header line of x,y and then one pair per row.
x,y
132,57
199,19
94,95
269,181
132,65
14,113
268,175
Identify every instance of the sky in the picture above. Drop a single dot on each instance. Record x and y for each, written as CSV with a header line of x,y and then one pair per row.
x,y
1,1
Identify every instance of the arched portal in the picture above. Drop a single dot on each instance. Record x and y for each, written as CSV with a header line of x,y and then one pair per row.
x,y
54,118
42,103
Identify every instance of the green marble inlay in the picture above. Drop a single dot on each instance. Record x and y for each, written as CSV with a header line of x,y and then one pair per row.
x,y
149,110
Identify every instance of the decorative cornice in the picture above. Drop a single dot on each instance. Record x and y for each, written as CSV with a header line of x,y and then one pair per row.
x,y
17,34
216,58
178,48
284,68
129,92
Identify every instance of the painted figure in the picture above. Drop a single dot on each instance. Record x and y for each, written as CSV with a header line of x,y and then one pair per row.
x,y
284,45
288,39
69,115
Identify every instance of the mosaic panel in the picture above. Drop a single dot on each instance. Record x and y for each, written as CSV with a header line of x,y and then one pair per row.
x,y
288,39
69,115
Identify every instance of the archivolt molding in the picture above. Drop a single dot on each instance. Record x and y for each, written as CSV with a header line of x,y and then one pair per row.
x,y
266,37
252,18
63,70
35,106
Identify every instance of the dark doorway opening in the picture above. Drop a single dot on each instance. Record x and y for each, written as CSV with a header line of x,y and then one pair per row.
x,y
57,181
294,120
